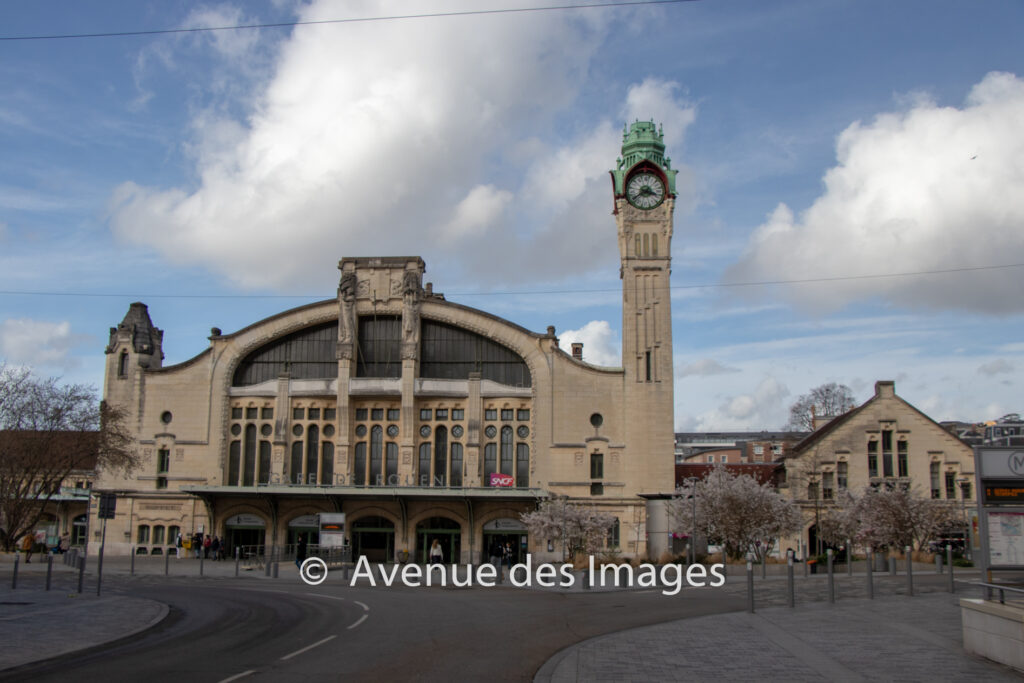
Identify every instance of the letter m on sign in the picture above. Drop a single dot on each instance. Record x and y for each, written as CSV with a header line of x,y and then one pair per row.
x,y
1016,463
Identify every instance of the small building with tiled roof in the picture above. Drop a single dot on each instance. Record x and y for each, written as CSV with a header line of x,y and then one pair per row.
x,y
884,442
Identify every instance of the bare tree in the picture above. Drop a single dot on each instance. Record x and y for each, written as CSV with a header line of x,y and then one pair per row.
x,y
828,400
48,431
735,511
581,528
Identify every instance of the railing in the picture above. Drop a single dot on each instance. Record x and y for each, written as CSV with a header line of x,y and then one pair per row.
x,y
1002,588
257,556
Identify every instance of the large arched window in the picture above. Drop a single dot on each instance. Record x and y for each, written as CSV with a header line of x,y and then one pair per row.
x,y
307,354
376,455
490,462
440,457
312,453
450,352
327,464
249,466
456,476
295,466
522,465
424,465
359,465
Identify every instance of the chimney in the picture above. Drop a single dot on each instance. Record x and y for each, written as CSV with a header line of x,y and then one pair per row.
x,y
885,389
577,350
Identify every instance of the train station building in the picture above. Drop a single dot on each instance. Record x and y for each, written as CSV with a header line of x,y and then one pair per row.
x,y
416,416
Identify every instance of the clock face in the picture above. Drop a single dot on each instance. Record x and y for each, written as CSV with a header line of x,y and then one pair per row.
x,y
645,191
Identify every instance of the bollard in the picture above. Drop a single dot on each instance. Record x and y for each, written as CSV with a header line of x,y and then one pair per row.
x,y
910,571
892,564
14,577
789,581
949,561
849,558
81,573
131,572
237,556
938,563
167,564
347,567
49,570
275,569
831,577
750,586
871,584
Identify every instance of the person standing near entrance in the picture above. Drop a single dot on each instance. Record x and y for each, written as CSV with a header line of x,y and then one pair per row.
x,y
496,554
508,556
29,539
436,554
178,544
300,551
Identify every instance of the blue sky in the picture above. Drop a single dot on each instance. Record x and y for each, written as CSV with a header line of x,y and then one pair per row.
x,y
219,177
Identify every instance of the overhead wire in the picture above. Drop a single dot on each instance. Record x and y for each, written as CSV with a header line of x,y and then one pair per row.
x,y
350,20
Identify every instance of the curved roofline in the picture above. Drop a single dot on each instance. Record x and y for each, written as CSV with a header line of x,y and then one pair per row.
x,y
282,314
183,364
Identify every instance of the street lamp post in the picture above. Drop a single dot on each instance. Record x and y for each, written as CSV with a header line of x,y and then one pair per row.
x,y
692,555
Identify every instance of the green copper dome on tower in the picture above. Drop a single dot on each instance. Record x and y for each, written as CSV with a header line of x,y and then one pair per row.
x,y
643,142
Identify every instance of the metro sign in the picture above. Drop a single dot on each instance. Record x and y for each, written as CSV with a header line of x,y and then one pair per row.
x,y
501,480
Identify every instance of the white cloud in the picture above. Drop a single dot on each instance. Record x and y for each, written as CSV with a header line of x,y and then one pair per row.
x,y
999,366
480,209
363,138
762,408
37,343
601,345
706,367
928,188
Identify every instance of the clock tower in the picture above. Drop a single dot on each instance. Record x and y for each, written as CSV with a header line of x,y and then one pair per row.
x,y
644,187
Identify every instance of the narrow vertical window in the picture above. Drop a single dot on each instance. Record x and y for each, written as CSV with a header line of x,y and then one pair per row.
x,y
951,485
901,458
506,450
456,477
122,364
391,464
440,456
295,466
522,466
636,247
872,458
143,536
654,244
312,453
359,465
490,462
647,365
936,486
327,464
596,466
647,248
424,470
264,471
249,468
842,476
376,456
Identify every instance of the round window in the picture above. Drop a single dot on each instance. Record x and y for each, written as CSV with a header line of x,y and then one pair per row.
x,y
425,431
328,430
392,431
596,419
236,429
297,430
457,431
523,431
266,430
360,430
166,417
491,431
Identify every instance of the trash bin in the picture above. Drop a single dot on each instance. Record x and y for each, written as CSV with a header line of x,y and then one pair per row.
x,y
813,565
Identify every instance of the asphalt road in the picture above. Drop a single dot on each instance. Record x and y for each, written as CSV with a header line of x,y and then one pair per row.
x,y
221,630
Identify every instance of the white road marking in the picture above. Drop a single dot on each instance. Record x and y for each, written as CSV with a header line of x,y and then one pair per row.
x,y
365,608
308,647
237,676
361,620
321,595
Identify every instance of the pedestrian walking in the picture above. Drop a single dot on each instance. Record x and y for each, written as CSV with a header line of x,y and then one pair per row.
x,y
436,554
215,548
27,542
300,551
207,542
197,544
179,543
496,552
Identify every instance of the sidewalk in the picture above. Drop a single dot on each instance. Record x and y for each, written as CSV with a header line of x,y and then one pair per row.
x,y
892,638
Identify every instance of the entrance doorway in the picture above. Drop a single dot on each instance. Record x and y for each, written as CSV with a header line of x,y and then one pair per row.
x,y
248,532
306,526
374,539
506,532
447,532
